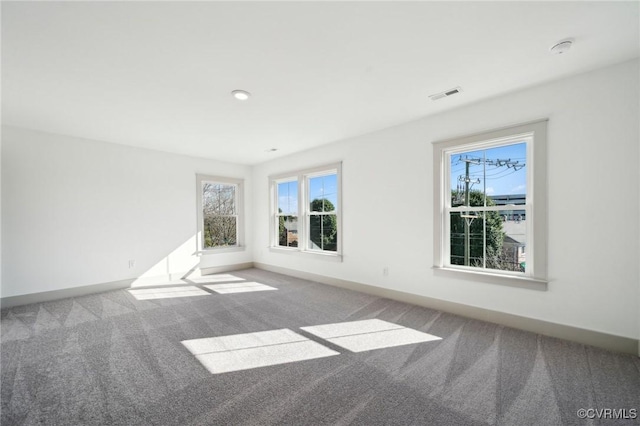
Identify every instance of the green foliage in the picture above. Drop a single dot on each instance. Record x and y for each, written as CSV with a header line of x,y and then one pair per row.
x,y
282,231
494,233
285,239
219,231
218,210
323,228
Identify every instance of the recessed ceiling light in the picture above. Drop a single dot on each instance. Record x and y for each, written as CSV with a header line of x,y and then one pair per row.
x,y
241,95
561,47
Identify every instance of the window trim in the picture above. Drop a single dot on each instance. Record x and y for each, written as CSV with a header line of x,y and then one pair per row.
x,y
239,184
301,177
536,276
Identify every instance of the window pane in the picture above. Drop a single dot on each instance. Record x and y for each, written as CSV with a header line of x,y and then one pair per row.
x,y
323,193
323,232
499,173
218,199
467,239
219,231
513,256
288,231
288,197
491,239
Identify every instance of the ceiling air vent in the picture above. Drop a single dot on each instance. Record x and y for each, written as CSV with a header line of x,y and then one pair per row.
x,y
446,93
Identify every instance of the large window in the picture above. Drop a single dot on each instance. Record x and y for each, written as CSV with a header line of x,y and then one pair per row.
x,y
219,213
306,211
322,216
490,202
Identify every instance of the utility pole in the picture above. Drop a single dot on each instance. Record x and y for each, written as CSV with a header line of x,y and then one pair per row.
x,y
468,218
467,221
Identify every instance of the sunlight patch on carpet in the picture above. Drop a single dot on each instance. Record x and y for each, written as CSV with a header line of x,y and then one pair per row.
x,y
217,278
252,350
366,335
168,292
239,287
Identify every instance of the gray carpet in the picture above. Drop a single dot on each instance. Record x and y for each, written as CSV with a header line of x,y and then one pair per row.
x,y
112,359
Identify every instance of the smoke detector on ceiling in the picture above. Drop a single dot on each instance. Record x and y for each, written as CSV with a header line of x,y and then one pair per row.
x,y
561,47
446,93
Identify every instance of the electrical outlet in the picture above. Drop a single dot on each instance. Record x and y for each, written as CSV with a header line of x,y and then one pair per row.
x,y
385,271
132,263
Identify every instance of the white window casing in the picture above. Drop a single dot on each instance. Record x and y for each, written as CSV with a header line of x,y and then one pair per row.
x,y
534,134
237,213
303,213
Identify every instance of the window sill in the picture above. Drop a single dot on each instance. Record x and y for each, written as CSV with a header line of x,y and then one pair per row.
x,y
492,278
331,257
218,250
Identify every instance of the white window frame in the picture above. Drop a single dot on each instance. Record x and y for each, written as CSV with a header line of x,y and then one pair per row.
x,y
304,214
535,135
239,202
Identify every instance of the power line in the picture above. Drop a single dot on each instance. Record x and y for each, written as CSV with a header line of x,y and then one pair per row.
x,y
499,162
466,182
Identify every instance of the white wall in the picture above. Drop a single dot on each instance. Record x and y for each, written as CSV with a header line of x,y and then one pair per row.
x,y
593,151
1,216
76,211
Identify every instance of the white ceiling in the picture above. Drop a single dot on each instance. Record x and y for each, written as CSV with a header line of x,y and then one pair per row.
x,y
159,74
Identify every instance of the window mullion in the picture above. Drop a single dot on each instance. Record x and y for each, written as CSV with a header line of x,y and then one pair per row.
x,y
484,242
303,203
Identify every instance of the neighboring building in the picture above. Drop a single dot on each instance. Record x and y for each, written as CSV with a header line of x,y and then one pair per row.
x,y
512,200
514,252
292,231
515,240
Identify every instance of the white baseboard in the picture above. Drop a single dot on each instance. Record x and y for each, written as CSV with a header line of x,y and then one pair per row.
x,y
47,296
574,334
227,268
175,277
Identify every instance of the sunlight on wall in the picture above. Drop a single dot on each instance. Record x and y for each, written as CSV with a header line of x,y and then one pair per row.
x,y
251,350
359,336
171,267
